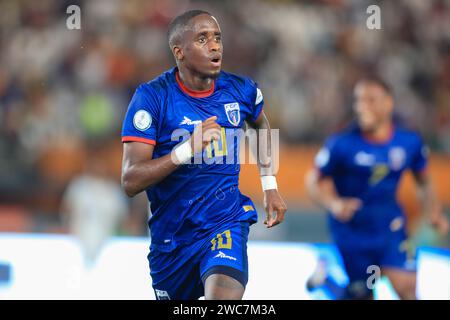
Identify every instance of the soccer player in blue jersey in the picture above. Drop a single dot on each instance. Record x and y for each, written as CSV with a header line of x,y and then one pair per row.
x,y
356,179
200,221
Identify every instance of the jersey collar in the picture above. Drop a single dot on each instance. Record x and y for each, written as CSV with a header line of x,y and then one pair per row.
x,y
388,139
194,93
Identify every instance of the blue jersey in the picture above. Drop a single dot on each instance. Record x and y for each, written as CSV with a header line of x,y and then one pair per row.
x,y
371,172
204,195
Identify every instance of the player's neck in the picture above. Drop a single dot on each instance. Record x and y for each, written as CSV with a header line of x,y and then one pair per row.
x,y
194,83
381,134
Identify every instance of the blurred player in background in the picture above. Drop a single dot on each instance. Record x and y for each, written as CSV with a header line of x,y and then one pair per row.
x,y
200,220
356,179
94,208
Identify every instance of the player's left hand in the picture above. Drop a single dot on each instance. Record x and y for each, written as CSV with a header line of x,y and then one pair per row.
x,y
440,223
275,208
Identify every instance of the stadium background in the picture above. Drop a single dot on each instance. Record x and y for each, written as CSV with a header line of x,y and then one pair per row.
x,y
63,94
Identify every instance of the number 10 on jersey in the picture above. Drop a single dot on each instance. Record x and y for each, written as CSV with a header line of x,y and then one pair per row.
x,y
222,241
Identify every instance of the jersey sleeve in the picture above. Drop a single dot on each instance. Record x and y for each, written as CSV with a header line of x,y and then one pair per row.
x,y
256,102
326,160
420,156
141,119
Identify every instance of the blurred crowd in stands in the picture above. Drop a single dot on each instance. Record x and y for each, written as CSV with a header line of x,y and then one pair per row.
x,y
63,93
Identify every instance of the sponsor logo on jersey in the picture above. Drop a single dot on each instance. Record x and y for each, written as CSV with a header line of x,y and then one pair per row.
x,y
189,122
364,159
224,256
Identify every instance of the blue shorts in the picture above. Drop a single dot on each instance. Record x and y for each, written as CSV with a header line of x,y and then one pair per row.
x,y
181,274
395,252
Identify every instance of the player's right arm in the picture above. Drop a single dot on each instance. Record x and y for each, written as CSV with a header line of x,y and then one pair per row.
x,y
322,191
140,170
140,133
321,188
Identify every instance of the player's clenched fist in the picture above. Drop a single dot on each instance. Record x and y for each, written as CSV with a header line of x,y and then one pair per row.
x,y
438,220
204,133
343,209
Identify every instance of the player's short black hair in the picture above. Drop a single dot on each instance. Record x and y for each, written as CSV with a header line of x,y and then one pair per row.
x,y
371,78
180,22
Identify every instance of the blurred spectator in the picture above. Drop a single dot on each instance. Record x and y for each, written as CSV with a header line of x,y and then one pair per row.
x,y
94,207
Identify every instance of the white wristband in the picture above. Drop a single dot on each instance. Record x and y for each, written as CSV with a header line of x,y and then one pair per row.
x,y
183,153
269,183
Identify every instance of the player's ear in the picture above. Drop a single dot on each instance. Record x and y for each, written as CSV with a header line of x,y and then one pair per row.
x,y
390,103
178,53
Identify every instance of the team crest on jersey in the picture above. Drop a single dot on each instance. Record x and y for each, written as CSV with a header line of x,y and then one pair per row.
x,y
397,158
363,158
233,112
